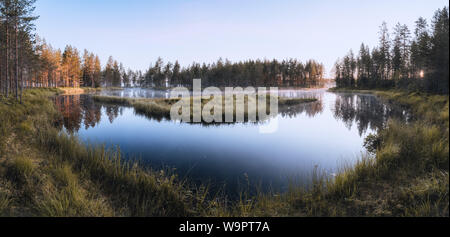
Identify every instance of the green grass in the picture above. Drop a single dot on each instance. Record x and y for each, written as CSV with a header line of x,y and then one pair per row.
x,y
65,196
139,192
54,174
406,176
350,90
21,169
152,108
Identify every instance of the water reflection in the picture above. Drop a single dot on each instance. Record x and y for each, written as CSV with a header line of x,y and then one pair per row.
x,y
360,110
310,109
365,111
151,93
321,133
137,93
78,110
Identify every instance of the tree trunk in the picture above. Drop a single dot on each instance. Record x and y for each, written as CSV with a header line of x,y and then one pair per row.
x,y
16,74
7,59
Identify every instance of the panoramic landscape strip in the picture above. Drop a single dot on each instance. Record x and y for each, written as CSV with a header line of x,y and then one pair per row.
x,y
249,138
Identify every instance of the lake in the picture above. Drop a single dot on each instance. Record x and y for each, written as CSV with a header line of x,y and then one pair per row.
x,y
327,134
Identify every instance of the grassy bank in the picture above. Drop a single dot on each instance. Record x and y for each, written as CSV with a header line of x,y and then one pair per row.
x,y
153,108
47,173
84,90
406,174
350,90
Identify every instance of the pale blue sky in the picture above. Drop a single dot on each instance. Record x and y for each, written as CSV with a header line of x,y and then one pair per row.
x,y
136,32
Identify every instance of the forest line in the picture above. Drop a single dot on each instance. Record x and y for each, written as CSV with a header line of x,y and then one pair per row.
x,y
27,61
419,63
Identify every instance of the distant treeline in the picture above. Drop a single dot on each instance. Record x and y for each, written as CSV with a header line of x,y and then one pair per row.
x,y
418,63
225,73
67,69
27,61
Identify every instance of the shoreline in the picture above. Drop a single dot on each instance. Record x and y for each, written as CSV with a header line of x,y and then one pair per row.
x,y
396,174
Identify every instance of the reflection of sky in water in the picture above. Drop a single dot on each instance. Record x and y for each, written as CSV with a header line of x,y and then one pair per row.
x,y
225,153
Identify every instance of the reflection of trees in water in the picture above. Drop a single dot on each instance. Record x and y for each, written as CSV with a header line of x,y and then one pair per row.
x,y
71,112
310,109
137,93
81,109
366,111
300,93
152,93
91,112
113,111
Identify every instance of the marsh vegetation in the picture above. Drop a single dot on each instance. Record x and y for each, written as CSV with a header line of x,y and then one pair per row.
x,y
160,108
49,173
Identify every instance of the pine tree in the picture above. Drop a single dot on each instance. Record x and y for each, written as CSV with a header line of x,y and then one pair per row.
x,y
384,50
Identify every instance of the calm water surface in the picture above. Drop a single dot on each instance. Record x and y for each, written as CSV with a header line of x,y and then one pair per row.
x,y
328,133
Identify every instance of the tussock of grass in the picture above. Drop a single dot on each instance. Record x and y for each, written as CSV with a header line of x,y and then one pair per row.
x,y
65,196
5,202
21,169
427,196
141,193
